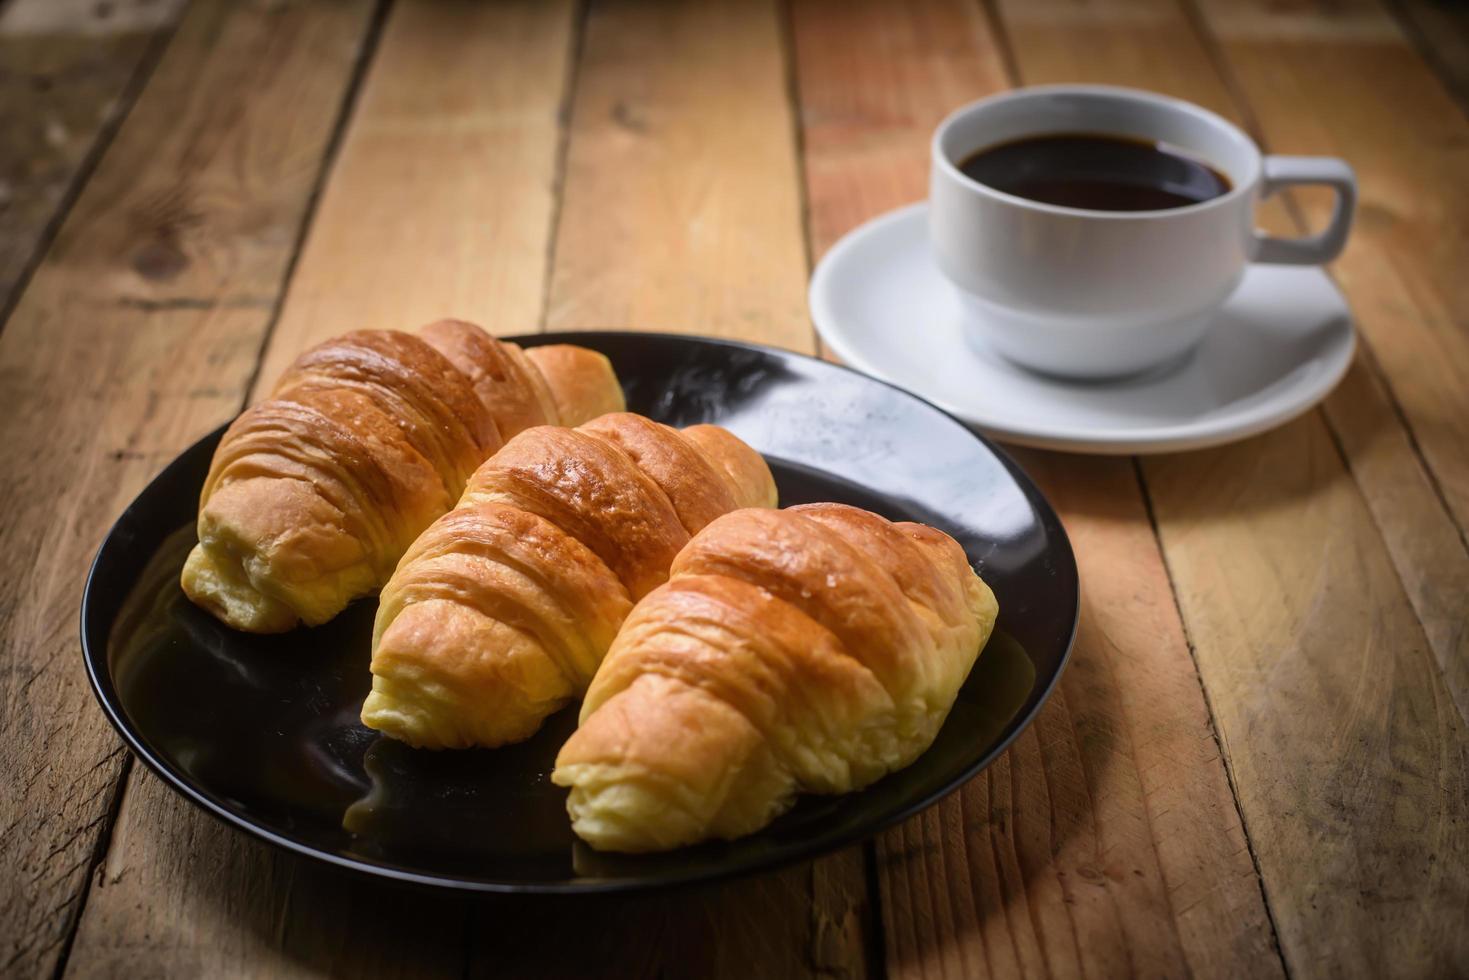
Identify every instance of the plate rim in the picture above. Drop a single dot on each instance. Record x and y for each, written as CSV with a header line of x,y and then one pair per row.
x,y
1176,437
99,676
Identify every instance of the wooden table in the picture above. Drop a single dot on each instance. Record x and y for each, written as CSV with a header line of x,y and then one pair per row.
x,y
1257,763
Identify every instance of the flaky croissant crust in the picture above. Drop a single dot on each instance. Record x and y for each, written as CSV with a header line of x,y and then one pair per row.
x,y
315,493
500,613
807,650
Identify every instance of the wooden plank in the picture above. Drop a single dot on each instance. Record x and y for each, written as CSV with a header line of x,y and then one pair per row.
x,y
681,207
1406,496
441,199
71,69
1427,548
681,212
137,334
1347,751
809,921
1106,841
1349,757
873,83
241,909
1430,557
1151,43
1440,28
1340,79
179,893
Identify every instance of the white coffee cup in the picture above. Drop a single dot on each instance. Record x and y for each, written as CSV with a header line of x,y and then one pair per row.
x,y
1094,294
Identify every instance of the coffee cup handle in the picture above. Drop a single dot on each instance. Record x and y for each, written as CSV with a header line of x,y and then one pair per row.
x,y
1280,172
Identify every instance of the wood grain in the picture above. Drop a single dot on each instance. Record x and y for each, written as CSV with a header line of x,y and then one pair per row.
x,y
1346,748
1106,841
136,335
1427,552
235,907
1154,44
1412,508
1440,29
681,209
180,894
873,83
1340,79
68,72
1348,754
810,921
440,201
681,212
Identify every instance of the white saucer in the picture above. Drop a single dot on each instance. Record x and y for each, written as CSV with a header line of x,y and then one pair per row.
x,y
1280,343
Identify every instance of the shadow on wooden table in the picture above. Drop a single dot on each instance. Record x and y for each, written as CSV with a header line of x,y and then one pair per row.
x,y
1108,821
1106,840
808,919
1054,848
1234,473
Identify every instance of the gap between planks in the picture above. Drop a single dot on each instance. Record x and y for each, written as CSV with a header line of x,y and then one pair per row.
x,y
1435,553
876,946
1142,486
820,934
785,15
1283,482
104,388
313,201
349,101
878,80
110,105
575,45
1440,31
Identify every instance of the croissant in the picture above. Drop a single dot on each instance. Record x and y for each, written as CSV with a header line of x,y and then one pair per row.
x,y
314,494
500,613
811,650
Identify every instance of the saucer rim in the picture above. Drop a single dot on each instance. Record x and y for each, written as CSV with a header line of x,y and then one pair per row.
x,y
1179,436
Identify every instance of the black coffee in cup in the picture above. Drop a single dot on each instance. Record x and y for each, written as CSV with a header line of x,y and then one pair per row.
x,y
1097,172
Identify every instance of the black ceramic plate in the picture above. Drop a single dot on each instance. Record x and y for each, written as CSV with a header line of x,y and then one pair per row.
x,y
263,733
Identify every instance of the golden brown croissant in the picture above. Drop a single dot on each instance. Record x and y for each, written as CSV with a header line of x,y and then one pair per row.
x,y
314,494
501,611
807,650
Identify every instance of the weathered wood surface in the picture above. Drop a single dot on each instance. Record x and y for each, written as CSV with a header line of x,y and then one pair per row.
x,y
1324,687
1440,29
1402,272
670,166
441,199
872,82
212,903
136,335
681,206
681,211
393,250
69,70
1342,79
1349,757
1106,841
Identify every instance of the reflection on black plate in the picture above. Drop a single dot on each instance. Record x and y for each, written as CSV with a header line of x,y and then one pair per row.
x,y
263,731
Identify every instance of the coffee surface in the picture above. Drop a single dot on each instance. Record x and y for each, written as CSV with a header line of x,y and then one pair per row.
x,y
1096,172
